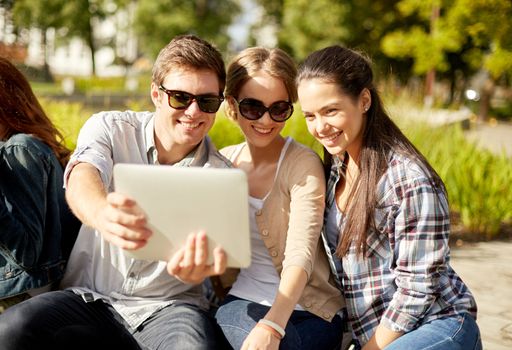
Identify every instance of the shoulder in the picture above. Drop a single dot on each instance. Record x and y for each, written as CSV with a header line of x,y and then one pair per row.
x,y
301,164
301,156
120,118
24,152
27,143
229,150
404,168
405,174
216,158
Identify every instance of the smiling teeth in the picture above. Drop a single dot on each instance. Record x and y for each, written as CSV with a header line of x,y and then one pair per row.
x,y
263,131
332,137
190,125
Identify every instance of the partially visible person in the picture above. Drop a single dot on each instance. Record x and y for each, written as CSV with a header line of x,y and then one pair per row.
x,y
109,299
286,298
387,215
37,229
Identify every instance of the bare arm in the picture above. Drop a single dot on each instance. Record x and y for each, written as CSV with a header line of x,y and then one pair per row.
x,y
116,216
293,280
382,338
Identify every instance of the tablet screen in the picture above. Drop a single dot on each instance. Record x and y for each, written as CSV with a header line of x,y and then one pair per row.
x,y
181,200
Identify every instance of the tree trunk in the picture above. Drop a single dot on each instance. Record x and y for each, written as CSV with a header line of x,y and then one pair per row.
x,y
430,79
92,47
47,76
485,99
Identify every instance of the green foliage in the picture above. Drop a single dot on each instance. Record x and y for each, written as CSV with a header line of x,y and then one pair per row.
x,y
428,41
97,84
225,132
40,14
488,25
158,21
477,181
311,25
465,27
68,117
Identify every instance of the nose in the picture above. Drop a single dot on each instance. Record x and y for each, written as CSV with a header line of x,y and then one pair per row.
x,y
320,125
265,119
193,109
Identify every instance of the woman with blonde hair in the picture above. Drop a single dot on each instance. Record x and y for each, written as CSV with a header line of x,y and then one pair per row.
x,y
286,298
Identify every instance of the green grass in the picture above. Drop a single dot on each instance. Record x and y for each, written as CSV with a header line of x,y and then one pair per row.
x,y
68,117
477,181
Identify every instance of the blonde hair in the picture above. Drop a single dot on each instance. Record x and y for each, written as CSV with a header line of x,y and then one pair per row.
x,y
275,62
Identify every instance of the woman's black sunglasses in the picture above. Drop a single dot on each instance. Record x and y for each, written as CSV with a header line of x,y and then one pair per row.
x,y
253,109
208,103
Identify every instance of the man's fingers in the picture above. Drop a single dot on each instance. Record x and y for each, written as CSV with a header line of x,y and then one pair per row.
x,y
201,253
119,200
112,235
219,261
136,223
173,266
190,247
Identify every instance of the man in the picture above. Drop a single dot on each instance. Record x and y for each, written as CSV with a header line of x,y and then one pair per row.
x,y
110,299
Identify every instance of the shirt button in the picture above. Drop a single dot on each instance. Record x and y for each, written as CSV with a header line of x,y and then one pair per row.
x,y
273,253
307,304
132,275
258,213
327,315
264,232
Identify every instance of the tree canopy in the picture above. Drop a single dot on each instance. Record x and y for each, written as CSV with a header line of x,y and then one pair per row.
x,y
158,21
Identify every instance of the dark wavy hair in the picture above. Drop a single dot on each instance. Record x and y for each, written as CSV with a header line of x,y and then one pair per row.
x,y
20,111
352,72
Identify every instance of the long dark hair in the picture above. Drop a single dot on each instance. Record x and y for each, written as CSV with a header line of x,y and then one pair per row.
x,y
20,111
352,72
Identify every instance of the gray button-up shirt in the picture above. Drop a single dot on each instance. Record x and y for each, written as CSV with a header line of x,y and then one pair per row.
x,y
135,288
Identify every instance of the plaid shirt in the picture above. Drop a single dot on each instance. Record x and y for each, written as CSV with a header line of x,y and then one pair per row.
x,y
404,279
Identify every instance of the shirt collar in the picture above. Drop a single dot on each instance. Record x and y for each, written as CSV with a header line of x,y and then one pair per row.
x,y
198,156
149,131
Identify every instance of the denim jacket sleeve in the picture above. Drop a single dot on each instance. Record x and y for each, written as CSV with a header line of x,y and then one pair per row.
x,y
23,190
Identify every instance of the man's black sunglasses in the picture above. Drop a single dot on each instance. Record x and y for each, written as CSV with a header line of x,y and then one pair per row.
x,y
253,109
207,103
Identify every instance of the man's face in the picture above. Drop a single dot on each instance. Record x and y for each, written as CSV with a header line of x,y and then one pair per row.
x,y
183,128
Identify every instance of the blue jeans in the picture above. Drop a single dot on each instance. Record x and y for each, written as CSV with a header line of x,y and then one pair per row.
x,y
456,332
62,320
237,317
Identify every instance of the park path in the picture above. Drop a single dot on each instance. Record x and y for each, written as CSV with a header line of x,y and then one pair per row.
x,y
486,267
496,137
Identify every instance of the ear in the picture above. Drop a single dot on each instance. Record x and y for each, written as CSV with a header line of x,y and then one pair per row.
x,y
365,100
230,108
155,95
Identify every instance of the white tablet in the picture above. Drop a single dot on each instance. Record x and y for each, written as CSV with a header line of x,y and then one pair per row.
x,y
181,200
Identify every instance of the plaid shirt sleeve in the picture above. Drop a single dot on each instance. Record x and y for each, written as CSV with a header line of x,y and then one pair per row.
x,y
420,245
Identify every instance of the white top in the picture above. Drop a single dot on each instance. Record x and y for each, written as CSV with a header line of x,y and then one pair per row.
x,y
259,282
99,270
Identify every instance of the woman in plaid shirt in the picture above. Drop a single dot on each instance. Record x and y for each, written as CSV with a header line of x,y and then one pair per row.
x,y
387,215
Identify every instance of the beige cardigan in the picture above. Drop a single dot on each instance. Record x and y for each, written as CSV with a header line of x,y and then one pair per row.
x,y
290,223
